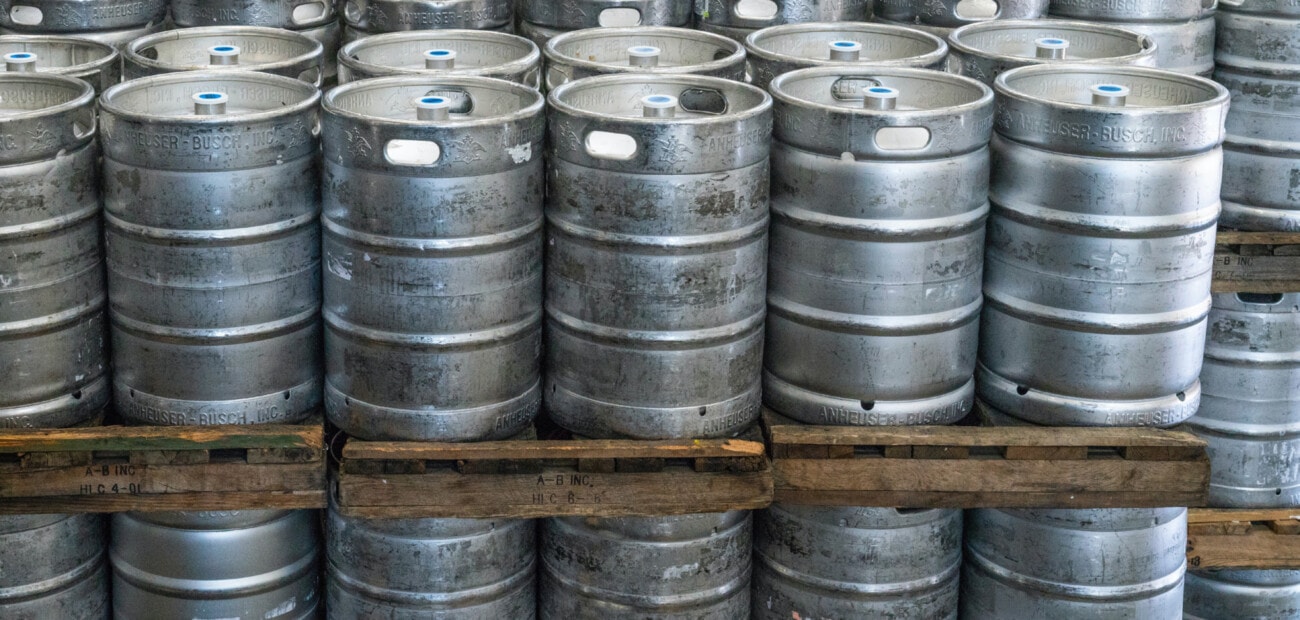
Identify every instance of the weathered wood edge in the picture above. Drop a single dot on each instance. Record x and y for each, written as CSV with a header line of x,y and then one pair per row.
x,y
552,449
142,438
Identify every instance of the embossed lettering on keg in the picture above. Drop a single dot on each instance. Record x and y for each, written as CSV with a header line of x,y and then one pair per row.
x,y
983,51
291,15
53,357
737,19
958,13
419,568
1133,10
656,259
433,251
646,568
1235,594
91,61
212,196
821,562
1183,30
366,17
1258,58
656,50
781,49
443,53
53,566
1100,245
227,48
879,199
1105,563
79,16
1250,411
223,564
116,38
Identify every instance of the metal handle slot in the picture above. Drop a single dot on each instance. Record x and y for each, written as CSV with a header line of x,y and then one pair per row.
x,y
619,17
902,138
755,9
412,152
977,9
703,101
26,15
611,146
308,12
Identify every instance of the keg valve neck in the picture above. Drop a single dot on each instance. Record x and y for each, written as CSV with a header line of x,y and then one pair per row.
x,y
210,103
1051,48
880,98
1110,95
223,55
20,62
439,59
643,56
845,50
432,108
659,106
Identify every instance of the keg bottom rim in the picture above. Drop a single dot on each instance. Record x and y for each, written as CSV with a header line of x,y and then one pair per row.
x,y
599,419
1049,409
811,407
373,422
1246,217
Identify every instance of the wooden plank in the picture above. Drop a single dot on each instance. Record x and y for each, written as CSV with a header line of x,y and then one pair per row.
x,y
554,449
1013,499
128,478
130,438
980,436
1235,273
293,500
1238,237
1257,549
554,492
1045,453
1219,515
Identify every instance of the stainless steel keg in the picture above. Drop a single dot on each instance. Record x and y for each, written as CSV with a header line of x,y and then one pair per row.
x,y
541,20
737,19
53,357
1234,594
646,568
480,569
443,53
212,195
91,61
1097,276
656,50
1182,29
433,254
781,49
984,50
1250,411
316,19
879,199
53,566
248,564
366,17
1104,563
1258,58
949,14
821,562
656,259
225,48
79,16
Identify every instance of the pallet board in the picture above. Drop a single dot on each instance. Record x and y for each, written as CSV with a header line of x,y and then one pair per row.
x,y
1243,539
147,468
1252,262
985,467
531,478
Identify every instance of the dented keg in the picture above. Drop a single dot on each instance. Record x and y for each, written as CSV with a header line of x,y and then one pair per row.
x,y
226,48
251,564
1104,563
541,20
879,198
433,253
655,50
737,19
984,50
421,568
96,63
781,49
366,17
442,53
821,562
656,259
1258,60
1183,30
948,14
211,198
53,566
646,568
1250,408
1097,278
53,357
1238,594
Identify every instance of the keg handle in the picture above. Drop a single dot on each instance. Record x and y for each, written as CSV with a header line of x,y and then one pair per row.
x,y
304,12
619,17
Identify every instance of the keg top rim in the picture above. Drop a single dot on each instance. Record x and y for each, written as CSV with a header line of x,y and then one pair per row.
x,y
1005,86
85,95
958,39
209,80
132,52
329,103
110,56
755,40
553,53
556,99
780,92
530,54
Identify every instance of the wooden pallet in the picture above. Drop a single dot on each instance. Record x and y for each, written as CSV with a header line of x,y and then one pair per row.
x,y
569,477
1253,262
985,467
1243,539
154,468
